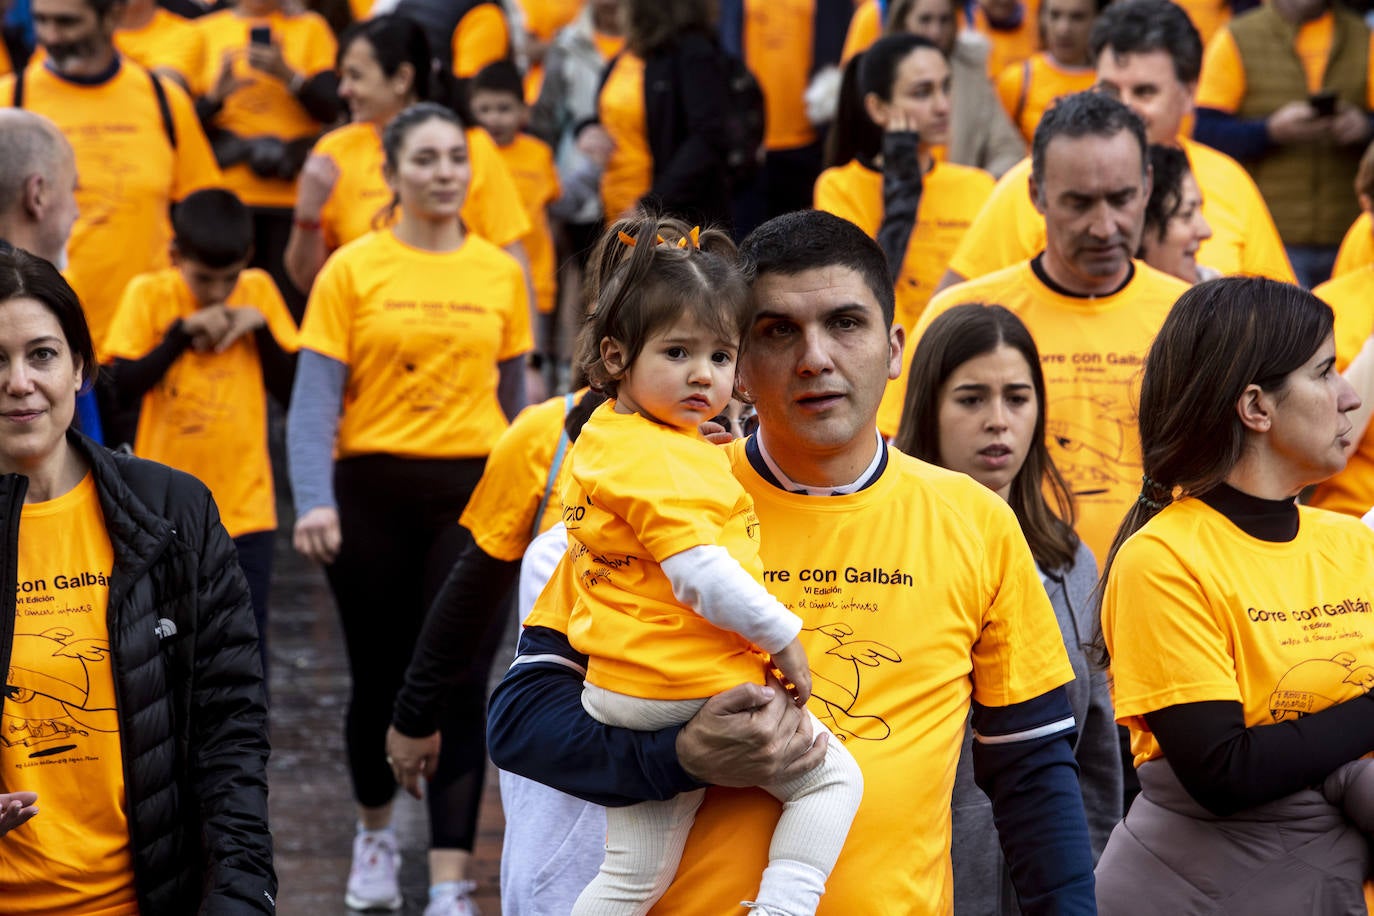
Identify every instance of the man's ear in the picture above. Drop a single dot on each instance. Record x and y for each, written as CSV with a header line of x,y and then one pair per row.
x,y
614,357
34,196
1254,407
1033,189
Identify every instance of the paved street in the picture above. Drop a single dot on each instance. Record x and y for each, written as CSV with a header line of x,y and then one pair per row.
x,y
311,804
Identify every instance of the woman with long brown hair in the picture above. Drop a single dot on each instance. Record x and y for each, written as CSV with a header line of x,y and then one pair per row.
x,y
1237,622
976,404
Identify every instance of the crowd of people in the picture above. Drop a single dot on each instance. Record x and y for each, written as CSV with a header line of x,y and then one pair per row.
x,y
925,445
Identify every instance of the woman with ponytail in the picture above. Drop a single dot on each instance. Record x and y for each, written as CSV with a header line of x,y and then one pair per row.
x,y
1239,625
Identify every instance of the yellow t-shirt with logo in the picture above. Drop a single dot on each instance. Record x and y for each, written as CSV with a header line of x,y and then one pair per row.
x,y
865,27
1351,297
1091,351
208,414
1028,89
129,175
266,106
530,163
491,209
1244,239
60,731
500,513
917,594
421,333
167,41
629,173
778,43
1357,248
1196,610
636,493
951,197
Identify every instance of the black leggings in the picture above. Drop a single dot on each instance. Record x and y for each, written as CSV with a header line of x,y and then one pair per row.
x,y
399,520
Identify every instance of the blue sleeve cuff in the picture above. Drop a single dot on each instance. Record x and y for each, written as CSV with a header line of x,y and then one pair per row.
x,y
1023,759
1236,137
537,728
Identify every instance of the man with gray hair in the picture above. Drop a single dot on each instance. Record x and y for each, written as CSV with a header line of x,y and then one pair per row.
x,y
37,186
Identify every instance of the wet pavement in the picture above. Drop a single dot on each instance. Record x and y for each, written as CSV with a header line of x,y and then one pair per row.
x,y
311,802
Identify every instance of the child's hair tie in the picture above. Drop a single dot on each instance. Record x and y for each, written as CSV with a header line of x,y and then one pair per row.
x,y
626,238
694,236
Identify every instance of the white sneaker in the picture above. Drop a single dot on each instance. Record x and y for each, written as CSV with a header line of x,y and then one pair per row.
x,y
372,883
459,903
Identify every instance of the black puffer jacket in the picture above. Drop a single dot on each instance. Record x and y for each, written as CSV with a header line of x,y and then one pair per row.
x,y
193,720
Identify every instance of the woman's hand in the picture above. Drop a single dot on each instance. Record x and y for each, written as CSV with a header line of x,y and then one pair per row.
x,y
16,809
269,60
317,179
226,83
317,535
411,758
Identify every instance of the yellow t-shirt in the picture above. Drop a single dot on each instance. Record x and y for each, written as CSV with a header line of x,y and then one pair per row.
x,y
630,172
951,197
865,27
777,49
500,513
208,414
1244,238
1222,82
1028,89
265,107
6,65
491,210
421,333
129,176
544,18
530,163
481,37
1351,297
637,493
1196,610
916,594
1357,248
60,727
1091,350
1208,15
1006,46
167,41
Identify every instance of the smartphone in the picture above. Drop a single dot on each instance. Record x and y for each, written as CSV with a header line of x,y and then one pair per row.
x,y
260,35
1323,103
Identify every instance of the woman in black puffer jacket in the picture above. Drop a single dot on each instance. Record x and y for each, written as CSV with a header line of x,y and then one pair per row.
x,y
133,704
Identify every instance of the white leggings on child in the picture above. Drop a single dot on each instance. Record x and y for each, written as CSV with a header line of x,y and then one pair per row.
x,y
644,842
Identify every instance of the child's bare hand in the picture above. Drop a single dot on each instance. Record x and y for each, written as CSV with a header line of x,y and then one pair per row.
x,y
16,808
207,326
796,672
242,321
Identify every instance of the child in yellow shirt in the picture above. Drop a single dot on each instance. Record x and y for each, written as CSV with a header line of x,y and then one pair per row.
x,y
199,347
498,105
669,604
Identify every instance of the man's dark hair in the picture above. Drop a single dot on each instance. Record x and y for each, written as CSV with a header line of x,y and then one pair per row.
x,y
1142,26
807,239
213,227
1084,114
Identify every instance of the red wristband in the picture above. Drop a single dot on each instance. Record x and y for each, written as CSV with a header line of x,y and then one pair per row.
x,y
309,225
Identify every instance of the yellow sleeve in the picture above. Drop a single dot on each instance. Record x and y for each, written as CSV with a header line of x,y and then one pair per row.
x,y
1357,248
833,196
517,338
864,29
1166,645
196,168
553,189
493,208
321,49
133,332
1020,652
500,513
480,38
1006,230
328,324
266,298
1263,254
1222,82
1011,84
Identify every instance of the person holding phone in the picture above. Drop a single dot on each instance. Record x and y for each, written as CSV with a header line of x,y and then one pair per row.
x,y
1296,112
270,92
